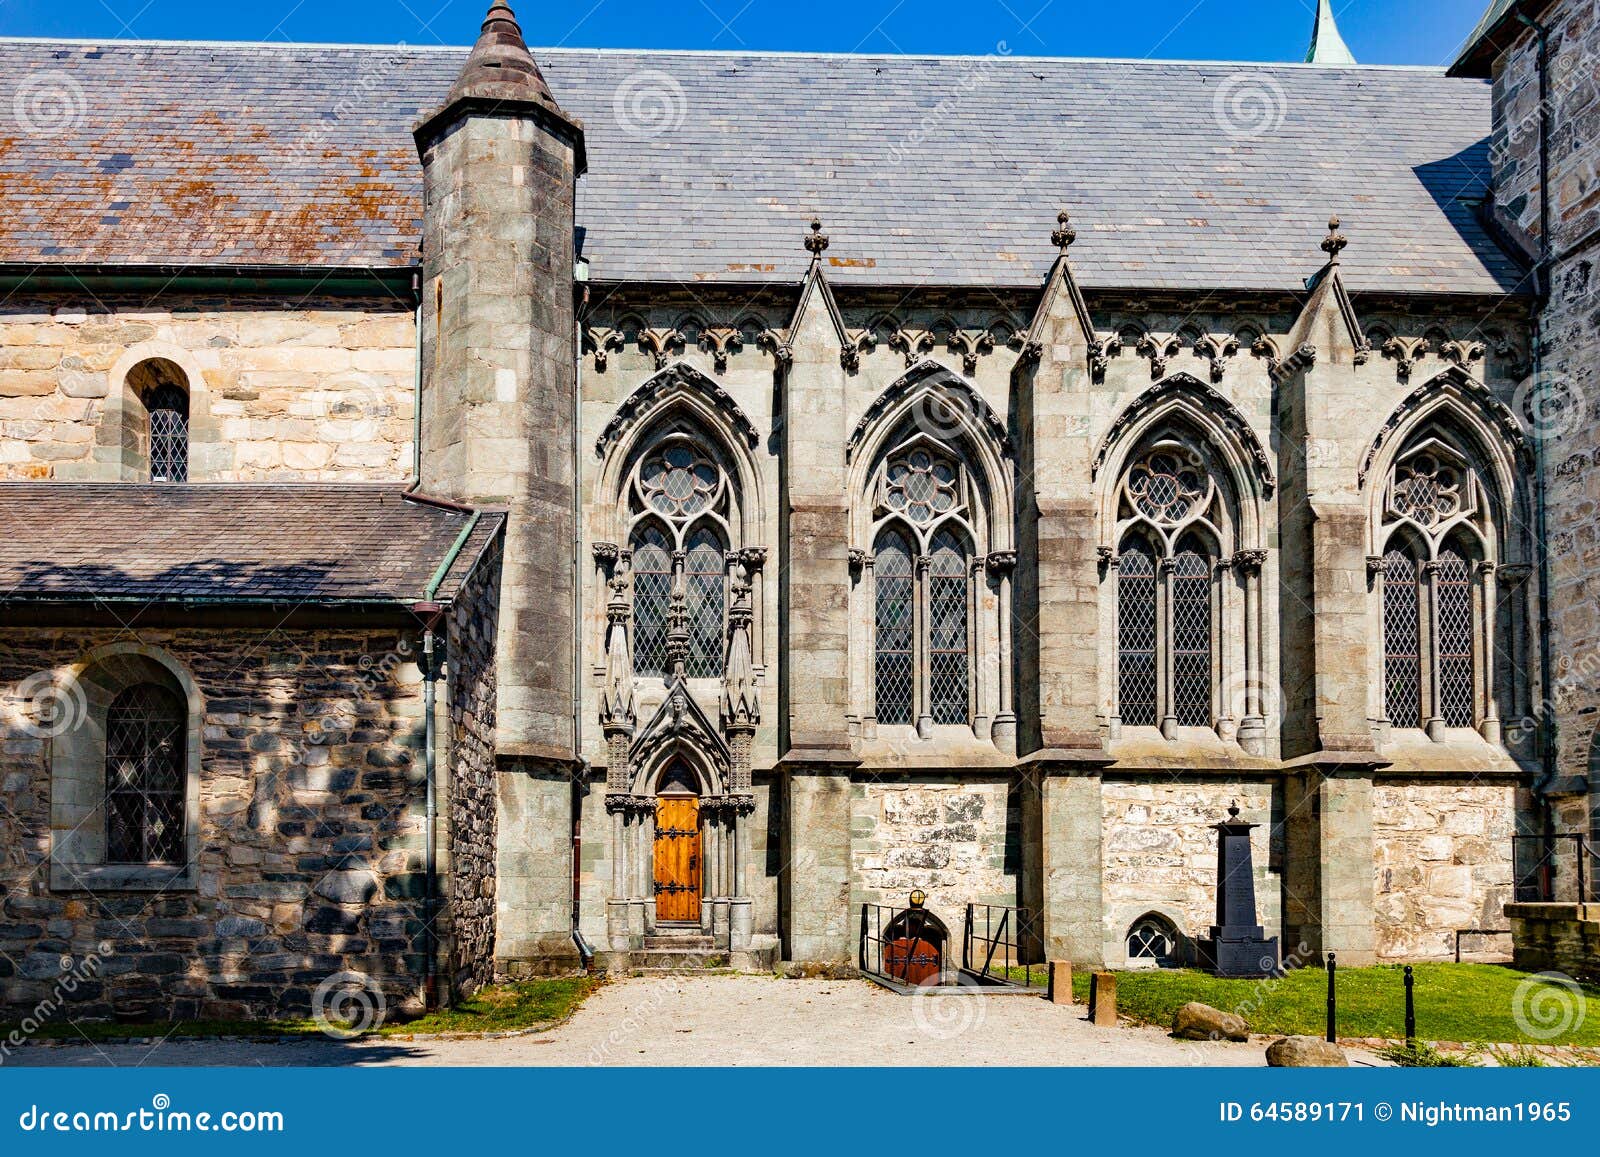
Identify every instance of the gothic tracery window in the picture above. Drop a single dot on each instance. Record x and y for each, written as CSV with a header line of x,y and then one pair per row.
x,y
1436,528
1173,522
923,589
681,505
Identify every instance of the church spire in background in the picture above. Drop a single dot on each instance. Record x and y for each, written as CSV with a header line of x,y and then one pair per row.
x,y
1327,46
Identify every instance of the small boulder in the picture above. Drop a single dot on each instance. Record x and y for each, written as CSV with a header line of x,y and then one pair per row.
x,y
1196,1021
1305,1052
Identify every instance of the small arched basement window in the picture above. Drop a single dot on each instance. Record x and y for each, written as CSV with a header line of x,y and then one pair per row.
x,y
1152,939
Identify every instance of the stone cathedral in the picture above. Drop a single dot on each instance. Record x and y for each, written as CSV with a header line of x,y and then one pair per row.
x,y
487,513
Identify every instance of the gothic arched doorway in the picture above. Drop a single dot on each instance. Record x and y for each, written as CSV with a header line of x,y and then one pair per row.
x,y
677,846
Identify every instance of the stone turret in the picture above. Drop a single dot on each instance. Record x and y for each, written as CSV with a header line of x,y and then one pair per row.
x,y
499,394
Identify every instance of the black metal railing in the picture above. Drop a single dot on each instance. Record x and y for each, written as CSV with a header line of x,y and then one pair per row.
x,y
904,945
1556,867
1000,945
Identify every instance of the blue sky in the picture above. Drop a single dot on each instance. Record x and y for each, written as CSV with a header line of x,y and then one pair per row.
x,y
1378,31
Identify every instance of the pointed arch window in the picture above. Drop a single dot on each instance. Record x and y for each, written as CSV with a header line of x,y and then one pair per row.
x,y
1136,635
1175,518
652,599
1401,644
1439,540
923,584
895,658
681,506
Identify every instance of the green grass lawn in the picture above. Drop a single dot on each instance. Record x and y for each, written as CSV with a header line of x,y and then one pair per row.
x,y
1455,1002
498,1008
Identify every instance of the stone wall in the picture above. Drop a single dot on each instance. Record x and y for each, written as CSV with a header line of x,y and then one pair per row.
x,y
319,390
1443,861
1570,323
1560,937
954,837
472,817
1159,854
309,846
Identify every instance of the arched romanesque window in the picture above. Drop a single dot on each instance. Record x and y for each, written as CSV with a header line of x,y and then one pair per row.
x,y
1174,519
679,502
146,727
1438,541
922,647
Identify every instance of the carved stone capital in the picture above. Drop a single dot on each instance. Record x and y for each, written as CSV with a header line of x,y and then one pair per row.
x,y
753,557
1514,574
857,557
1108,557
605,553
1249,561
1001,562
1376,565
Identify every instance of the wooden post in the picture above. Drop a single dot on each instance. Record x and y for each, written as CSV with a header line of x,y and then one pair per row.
x,y
1103,999
1061,982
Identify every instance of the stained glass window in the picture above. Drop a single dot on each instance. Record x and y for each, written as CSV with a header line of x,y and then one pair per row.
x,y
894,657
1136,637
1191,638
1401,640
1454,586
652,600
704,586
168,407
947,629
146,727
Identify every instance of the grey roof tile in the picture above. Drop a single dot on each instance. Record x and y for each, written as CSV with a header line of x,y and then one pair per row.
x,y
303,543
925,170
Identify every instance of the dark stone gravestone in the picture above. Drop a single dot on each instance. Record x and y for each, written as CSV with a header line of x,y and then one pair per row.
x,y
1237,946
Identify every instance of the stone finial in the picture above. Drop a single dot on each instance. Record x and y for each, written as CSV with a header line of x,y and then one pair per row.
x,y
816,240
1334,241
1064,234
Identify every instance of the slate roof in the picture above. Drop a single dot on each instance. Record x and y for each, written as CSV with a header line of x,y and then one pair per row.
x,y
936,170
232,542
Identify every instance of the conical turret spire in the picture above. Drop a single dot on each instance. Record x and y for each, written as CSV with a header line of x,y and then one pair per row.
x,y
1327,46
500,66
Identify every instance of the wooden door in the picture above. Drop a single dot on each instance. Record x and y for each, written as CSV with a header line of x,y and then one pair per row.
x,y
677,856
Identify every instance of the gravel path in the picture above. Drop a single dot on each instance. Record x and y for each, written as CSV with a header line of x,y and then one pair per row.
x,y
733,1020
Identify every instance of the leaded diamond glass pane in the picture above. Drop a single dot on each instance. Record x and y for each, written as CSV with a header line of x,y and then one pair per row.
x,y
892,668
704,586
652,600
1401,668
1191,638
145,733
1455,639
1136,638
947,629
168,407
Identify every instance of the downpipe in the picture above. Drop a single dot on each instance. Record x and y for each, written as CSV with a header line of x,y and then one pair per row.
x,y
430,934
580,771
